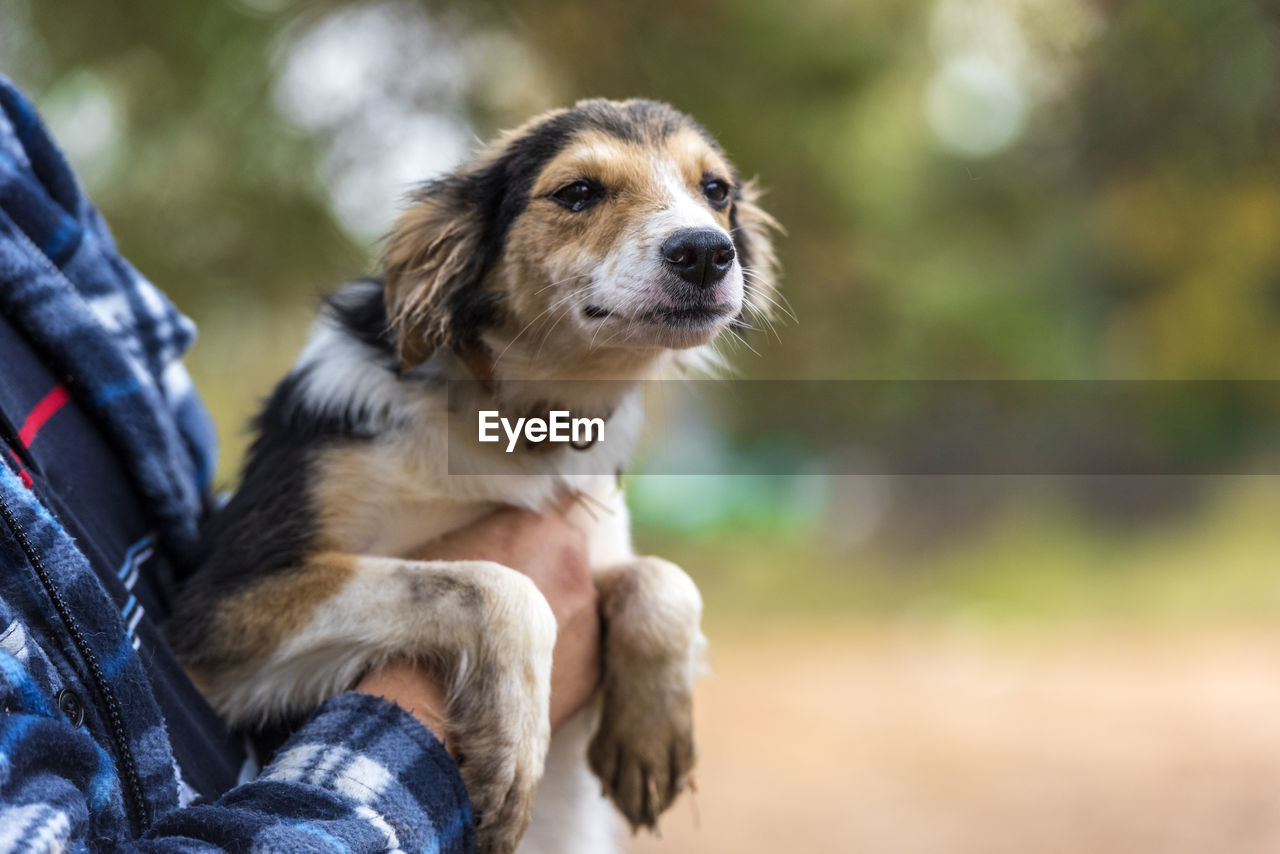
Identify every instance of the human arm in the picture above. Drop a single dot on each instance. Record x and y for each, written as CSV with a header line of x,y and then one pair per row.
x,y
360,776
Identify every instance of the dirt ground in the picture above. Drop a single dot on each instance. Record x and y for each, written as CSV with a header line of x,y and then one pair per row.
x,y
906,742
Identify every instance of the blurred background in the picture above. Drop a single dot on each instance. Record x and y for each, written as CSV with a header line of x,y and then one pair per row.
x,y
972,189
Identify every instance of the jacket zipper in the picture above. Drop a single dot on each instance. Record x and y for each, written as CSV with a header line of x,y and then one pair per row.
x,y
129,766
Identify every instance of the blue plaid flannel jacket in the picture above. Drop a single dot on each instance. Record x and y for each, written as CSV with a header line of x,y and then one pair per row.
x,y
360,775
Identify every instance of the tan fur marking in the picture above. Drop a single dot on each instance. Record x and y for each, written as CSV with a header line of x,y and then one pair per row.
x,y
425,257
696,160
631,177
253,622
596,155
348,507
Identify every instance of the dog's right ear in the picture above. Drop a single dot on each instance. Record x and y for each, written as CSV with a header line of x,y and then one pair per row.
x,y
433,258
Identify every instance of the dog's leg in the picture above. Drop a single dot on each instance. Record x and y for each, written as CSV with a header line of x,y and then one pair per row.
x,y
485,628
653,647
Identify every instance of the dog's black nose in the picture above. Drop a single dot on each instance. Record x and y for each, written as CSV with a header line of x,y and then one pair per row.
x,y
700,256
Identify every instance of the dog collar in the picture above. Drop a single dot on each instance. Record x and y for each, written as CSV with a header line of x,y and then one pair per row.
x,y
480,362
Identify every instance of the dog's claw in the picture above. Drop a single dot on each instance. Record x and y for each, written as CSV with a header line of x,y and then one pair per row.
x,y
502,810
652,800
643,752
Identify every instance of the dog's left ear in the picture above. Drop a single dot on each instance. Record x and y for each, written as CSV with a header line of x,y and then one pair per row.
x,y
434,263
753,231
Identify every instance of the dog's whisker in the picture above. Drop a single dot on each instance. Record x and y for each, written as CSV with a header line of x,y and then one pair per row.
x,y
726,342
779,301
573,306
764,316
742,341
530,324
760,288
593,505
592,344
626,333
560,301
561,282
764,319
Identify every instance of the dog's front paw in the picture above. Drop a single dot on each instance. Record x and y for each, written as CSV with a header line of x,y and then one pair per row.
x,y
643,750
497,715
501,735
501,793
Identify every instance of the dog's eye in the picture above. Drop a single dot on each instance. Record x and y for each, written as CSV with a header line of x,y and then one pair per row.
x,y
717,192
579,195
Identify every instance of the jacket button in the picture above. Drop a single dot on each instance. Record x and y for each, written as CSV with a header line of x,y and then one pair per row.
x,y
72,706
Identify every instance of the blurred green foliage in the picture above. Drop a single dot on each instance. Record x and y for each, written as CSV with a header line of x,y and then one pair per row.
x,y
971,188
1038,568
207,189
1130,229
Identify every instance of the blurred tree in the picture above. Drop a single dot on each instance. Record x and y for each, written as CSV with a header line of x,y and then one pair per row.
x,y
209,191
971,188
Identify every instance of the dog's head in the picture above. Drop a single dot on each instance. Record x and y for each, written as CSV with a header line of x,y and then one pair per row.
x,y
607,226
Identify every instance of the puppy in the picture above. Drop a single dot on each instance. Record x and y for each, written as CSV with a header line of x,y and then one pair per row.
x,y
590,249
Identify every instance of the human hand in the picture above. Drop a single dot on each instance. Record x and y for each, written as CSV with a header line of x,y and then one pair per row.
x,y
553,553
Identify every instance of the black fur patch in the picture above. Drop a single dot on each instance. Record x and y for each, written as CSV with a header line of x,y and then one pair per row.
x,y
360,308
740,241
633,121
270,524
746,256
